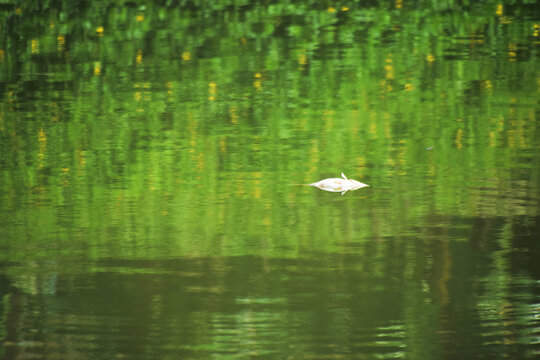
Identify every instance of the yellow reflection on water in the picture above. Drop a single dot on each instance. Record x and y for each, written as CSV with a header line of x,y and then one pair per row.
x,y
97,68
35,46
186,56
42,140
61,40
212,91
459,138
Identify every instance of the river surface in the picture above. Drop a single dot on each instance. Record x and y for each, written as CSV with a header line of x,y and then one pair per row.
x,y
152,163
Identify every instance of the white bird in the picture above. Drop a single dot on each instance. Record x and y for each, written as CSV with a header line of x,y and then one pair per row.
x,y
339,185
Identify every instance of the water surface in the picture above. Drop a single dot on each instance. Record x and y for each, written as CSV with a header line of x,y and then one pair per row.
x,y
150,162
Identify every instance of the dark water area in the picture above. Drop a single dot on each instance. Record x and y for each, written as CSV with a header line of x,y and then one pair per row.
x,y
152,163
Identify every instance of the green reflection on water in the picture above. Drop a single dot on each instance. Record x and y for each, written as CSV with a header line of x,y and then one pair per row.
x,y
169,131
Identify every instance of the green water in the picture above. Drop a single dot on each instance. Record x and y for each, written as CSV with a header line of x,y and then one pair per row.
x,y
151,156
